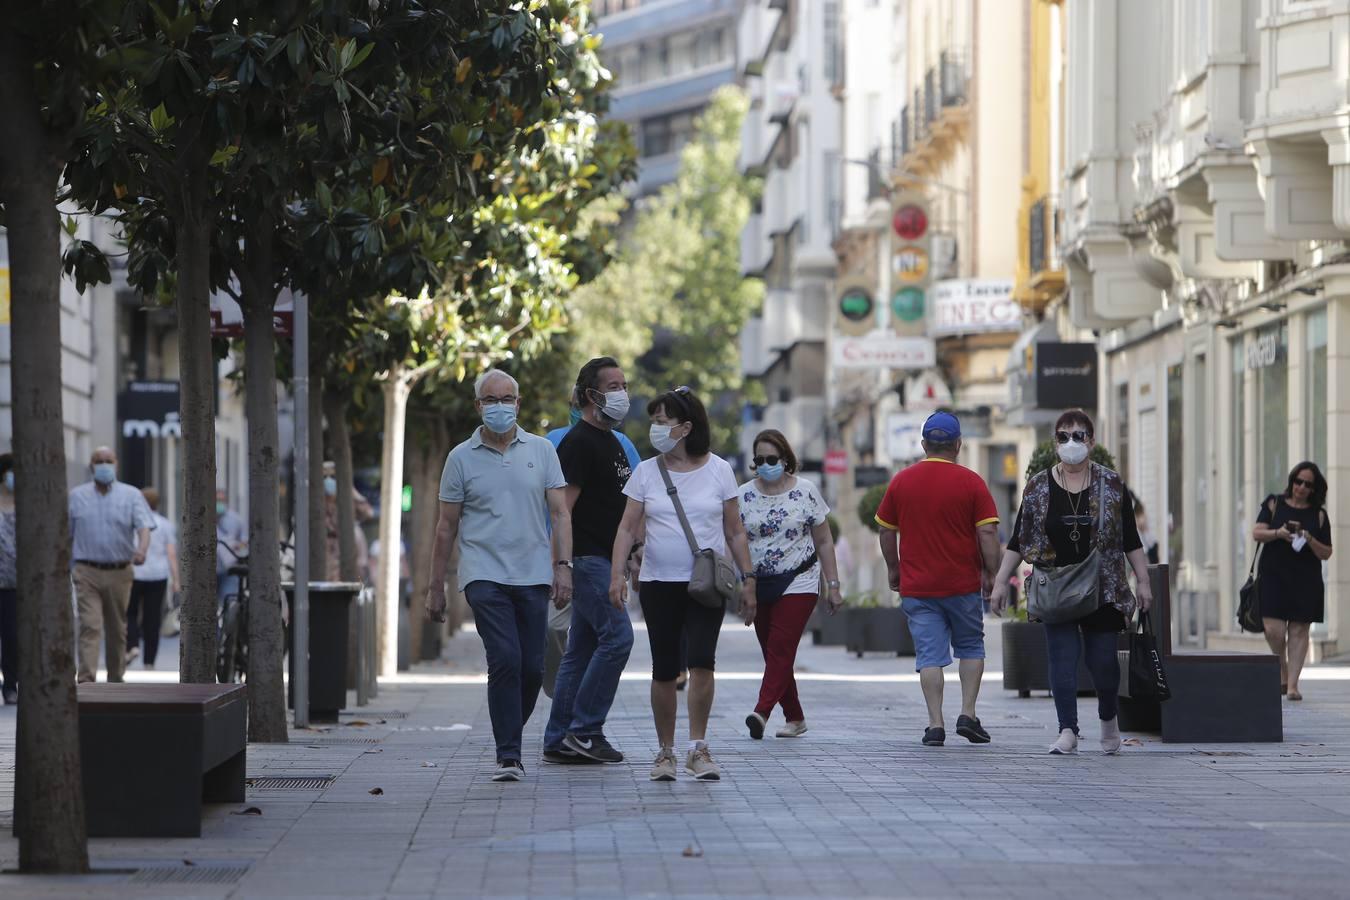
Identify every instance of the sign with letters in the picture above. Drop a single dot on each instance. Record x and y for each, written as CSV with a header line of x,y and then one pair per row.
x,y
883,351
149,409
974,305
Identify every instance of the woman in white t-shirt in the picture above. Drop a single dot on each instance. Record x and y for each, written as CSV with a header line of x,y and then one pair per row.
x,y
790,543
707,491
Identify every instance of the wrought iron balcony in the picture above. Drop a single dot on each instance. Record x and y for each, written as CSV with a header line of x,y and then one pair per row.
x,y
952,78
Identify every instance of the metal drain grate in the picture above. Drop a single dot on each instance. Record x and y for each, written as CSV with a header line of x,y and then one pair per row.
x,y
342,740
374,714
287,783
224,874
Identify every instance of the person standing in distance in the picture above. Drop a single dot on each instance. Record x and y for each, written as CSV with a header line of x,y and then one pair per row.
x,y
939,537
601,636
110,526
495,490
152,578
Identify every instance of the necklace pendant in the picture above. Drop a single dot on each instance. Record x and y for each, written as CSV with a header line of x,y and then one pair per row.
x,y
1073,535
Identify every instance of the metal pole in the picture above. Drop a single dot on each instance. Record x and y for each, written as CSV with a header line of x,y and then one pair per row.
x,y
361,698
300,625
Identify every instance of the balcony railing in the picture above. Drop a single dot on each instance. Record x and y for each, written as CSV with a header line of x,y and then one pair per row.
x,y
876,185
920,123
1044,228
906,132
952,78
931,106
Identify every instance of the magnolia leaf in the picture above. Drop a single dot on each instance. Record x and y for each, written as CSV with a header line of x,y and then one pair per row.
x,y
463,69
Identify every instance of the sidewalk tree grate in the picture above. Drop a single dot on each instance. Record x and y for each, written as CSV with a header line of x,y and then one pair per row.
x,y
193,874
300,783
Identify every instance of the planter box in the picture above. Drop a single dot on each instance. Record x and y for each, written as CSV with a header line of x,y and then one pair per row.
x,y
879,629
829,630
1025,666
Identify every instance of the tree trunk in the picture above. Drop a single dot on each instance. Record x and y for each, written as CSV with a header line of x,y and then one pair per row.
x,y
266,689
318,517
49,800
197,414
395,388
425,475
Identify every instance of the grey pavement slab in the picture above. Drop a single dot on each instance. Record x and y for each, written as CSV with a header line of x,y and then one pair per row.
x,y
855,808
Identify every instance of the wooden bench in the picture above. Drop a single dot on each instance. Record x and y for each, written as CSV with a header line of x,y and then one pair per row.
x,y
151,754
1217,697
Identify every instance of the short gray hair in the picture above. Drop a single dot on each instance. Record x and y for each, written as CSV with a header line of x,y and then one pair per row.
x,y
483,379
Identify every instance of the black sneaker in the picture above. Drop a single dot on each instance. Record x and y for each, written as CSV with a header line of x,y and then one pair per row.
x,y
755,722
565,756
971,729
934,737
508,770
594,747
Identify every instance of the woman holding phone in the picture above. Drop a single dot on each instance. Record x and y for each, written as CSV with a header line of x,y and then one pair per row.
x,y
1296,530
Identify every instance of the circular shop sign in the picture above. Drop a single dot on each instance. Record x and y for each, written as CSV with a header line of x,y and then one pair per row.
x,y
855,304
910,264
910,222
907,304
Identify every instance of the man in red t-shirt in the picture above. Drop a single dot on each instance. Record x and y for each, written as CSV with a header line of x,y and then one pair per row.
x,y
939,537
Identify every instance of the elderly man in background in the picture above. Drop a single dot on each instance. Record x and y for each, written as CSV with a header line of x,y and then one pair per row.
x,y
110,525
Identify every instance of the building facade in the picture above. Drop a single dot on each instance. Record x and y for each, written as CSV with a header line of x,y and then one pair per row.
x,y
1204,228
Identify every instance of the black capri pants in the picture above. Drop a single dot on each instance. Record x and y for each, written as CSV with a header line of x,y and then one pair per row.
x,y
671,614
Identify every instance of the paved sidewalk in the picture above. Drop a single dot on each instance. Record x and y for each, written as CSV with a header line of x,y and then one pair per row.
x,y
856,808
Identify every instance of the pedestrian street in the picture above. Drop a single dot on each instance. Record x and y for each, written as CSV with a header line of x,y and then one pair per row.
x,y
855,808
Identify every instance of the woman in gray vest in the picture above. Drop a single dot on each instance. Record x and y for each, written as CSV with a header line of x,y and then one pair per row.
x,y
1058,526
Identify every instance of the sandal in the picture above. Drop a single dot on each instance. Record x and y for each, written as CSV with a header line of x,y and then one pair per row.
x,y
1295,695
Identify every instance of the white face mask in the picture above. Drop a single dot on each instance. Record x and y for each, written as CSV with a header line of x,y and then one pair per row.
x,y
1073,452
616,405
661,439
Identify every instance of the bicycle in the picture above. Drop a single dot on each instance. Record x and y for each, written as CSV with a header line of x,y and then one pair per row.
x,y
232,621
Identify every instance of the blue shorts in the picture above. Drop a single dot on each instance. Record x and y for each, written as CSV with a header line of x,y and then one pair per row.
x,y
943,627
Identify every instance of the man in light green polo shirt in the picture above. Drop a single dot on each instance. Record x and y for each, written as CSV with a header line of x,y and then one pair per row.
x,y
499,490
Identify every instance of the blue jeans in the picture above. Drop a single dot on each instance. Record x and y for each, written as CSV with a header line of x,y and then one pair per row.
x,y
1062,646
511,620
598,644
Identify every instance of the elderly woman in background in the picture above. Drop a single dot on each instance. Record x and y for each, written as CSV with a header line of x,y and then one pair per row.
x,y
1056,526
1296,530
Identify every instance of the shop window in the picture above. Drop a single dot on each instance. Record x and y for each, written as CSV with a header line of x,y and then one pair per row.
x,y
1176,446
1267,354
1123,431
1238,442
1315,442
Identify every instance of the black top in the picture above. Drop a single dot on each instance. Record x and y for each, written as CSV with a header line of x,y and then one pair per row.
x,y
594,461
1291,580
1068,551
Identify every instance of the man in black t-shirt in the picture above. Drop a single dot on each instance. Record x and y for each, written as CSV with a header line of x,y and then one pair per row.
x,y
596,468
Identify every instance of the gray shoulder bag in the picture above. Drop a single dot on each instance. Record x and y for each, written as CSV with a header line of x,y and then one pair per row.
x,y
1068,593
716,580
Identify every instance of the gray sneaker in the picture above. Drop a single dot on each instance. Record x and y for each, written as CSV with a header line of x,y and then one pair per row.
x,y
664,767
699,763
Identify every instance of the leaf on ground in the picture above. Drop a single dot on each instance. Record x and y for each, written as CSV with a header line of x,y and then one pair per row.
x,y
376,791
692,852
359,723
247,811
1133,742
430,765
376,750
188,862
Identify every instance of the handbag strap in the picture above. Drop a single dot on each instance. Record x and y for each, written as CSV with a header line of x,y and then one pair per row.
x,y
1255,556
674,494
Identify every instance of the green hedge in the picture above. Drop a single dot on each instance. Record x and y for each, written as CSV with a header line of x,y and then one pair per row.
x,y
867,506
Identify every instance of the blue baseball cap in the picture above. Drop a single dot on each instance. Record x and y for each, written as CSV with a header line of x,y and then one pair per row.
x,y
941,427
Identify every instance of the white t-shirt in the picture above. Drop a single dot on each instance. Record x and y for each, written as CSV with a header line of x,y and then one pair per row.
x,y
156,565
666,555
779,527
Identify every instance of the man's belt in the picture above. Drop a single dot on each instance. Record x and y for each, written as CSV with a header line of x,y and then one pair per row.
x,y
101,565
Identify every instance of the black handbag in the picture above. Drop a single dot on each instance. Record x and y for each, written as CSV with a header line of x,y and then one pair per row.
x,y
1249,597
1148,678
769,588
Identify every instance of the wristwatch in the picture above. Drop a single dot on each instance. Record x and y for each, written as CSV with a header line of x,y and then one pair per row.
x,y
747,576
832,585
564,563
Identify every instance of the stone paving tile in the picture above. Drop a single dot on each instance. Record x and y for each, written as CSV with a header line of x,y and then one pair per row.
x,y
856,808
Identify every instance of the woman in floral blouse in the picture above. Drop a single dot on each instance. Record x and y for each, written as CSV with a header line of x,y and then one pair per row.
x,y
790,544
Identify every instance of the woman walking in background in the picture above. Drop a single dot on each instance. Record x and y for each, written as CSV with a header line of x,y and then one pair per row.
x,y
706,488
790,543
1296,530
9,597
153,577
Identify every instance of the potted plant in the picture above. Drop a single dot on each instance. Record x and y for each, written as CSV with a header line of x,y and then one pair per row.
x,y
1025,667
877,624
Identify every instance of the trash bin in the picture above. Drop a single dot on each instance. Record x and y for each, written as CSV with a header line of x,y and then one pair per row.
x,y
329,608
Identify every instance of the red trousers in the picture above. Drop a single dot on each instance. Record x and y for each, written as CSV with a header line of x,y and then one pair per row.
x,y
779,626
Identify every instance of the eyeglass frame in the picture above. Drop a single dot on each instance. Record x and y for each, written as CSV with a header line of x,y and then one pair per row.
x,y
772,459
1063,437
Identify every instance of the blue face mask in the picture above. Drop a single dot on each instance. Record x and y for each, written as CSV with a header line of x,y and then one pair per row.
x,y
770,473
9,481
105,473
330,486
499,417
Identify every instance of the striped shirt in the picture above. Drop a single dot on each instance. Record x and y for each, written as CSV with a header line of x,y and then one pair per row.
x,y
103,526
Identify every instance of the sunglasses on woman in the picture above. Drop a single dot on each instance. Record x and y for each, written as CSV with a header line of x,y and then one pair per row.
x,y
771,460
1304,482
1065,436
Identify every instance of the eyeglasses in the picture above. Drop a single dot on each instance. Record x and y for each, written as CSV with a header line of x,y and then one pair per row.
x,y
1080,519
771,459
1065,436
492,401
1304,482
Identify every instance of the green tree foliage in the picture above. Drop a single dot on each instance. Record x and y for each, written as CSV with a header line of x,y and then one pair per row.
x,y
677,281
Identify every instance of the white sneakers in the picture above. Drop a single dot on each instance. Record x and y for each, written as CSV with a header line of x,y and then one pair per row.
x,y
1067,743
792,730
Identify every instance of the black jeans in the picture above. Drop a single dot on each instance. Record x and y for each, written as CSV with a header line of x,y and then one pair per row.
x,y
144,614
9,638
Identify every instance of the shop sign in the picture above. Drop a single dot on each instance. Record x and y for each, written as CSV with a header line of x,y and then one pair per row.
x,y
1066,375
836,462
970,306
1264,351
870,476
904,435
883,351
149,409
910,264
